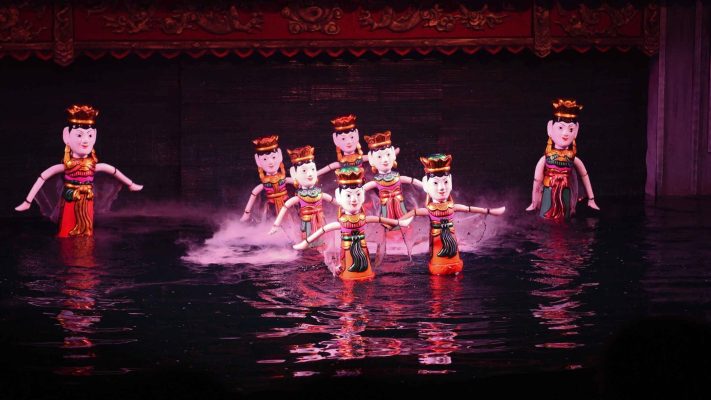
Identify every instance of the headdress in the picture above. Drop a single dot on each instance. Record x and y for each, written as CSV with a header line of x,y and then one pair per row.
x,y
266,144
344,124
350,176
566,109
378,141
301,155
437,163
82,114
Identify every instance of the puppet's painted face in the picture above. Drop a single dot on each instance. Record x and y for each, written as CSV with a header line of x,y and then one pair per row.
x,y
347,142
383,159
438,187
80,140
562,133
350,200
305,174
269,162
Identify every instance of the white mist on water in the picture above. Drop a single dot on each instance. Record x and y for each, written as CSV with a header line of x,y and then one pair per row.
x,y
238,242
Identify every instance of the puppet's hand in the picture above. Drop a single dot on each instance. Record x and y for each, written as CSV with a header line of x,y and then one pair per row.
x,y
135,187
591,204
274,230
23,207
245,217
301,245
497,211
406,221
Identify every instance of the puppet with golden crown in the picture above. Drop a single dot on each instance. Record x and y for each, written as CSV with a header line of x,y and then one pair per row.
x,y
382,159
354,256
272,175
555,181
440,208
347,140
80,164
308,196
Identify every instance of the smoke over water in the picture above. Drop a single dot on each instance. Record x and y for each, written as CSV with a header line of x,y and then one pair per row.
x,y
237,242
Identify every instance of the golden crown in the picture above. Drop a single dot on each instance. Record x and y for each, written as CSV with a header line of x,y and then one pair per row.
x,y
344,124
266,143
82,114
301,154
348,176
566,108
378,140
437,163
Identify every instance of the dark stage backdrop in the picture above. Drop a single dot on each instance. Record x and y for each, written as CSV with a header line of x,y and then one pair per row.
x,y
182,127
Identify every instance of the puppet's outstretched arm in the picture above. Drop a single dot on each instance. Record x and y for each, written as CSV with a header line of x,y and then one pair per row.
x,y
330,167
289,203
46,174
305,243
110,169
255,192
479,210
412,181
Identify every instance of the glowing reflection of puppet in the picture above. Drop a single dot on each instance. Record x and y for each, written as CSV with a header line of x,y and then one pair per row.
x,y
554,182
354,257
308,195
272,176
80,164
440,208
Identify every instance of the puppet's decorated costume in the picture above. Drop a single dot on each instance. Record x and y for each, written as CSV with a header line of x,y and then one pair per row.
x,y
310,198
344,125
392,202
444,250
355,259
274,185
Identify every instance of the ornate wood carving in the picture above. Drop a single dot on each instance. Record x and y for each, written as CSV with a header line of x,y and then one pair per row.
x,y
63,49
651,29
305,16
541,31
603,21
217,18
13,28
434,17
223,27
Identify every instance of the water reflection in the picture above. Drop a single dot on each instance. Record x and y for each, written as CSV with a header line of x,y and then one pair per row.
x,y
403,312
79,313
439,334
71,290
558,266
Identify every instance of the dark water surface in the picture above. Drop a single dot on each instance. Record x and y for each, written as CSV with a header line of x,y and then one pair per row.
x,y
533,298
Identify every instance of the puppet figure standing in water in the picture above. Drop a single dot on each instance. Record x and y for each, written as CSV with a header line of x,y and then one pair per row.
x,y
382,158
354,257
347,140
440,209
308,196
555,181
79,166
272,176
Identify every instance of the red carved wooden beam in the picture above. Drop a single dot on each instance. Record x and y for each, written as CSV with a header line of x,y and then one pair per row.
x,y
71,28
